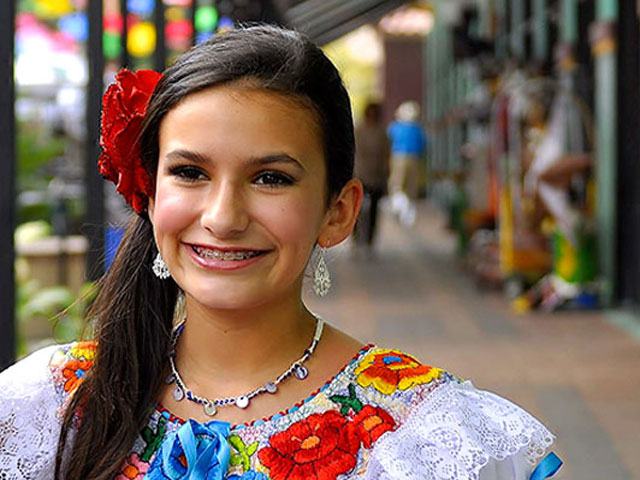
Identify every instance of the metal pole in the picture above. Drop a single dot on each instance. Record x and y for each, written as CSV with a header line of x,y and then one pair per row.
x,y
501,42
7,183
160,54
194,9
541,35
517,29
95,214
569,21
606,114
125,59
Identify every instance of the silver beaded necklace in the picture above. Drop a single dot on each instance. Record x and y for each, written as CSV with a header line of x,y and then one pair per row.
x,y
211,405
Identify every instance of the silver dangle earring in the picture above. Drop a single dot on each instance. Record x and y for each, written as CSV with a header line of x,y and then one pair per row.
x,y
160,268
321,276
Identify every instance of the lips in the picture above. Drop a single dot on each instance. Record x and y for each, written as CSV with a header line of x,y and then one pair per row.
x,y
223,258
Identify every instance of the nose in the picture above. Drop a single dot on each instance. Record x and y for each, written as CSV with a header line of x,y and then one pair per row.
x,y
225,214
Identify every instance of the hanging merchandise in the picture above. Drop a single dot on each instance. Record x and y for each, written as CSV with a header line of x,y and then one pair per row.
x,y
53,9
178,34
113,22
225,24
141,41
75,25
143,8
111,45
206,19
552,195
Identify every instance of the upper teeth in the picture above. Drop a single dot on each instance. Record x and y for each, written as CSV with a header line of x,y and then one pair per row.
x,y
226,255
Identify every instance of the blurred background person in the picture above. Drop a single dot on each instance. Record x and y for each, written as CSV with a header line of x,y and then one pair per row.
x,y
372,168
408,146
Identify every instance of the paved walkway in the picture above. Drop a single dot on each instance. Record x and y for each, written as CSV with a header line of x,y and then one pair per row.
x,y
575,371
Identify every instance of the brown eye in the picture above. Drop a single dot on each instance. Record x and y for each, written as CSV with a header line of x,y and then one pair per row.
x,y
187,173
273,179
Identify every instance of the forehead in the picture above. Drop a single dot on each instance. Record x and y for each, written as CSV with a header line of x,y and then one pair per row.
x,y
243,121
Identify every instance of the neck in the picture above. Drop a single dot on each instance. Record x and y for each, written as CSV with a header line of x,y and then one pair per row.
x,y
248,346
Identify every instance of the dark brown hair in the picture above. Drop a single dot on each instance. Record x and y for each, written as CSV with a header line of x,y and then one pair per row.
x,y
133,313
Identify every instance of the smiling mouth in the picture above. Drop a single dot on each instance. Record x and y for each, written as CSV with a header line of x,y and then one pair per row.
x,y
226,255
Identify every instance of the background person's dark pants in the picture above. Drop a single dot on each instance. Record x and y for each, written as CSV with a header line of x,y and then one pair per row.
x,y
367,221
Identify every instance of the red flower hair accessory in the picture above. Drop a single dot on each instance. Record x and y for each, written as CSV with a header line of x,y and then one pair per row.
x,y
124,106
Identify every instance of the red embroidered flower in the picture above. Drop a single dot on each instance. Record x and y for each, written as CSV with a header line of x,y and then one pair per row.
x,y
124,106
319,447
370,423
73,372
390,370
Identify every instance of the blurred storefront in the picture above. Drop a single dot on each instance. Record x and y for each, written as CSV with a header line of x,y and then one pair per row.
x,y
533,110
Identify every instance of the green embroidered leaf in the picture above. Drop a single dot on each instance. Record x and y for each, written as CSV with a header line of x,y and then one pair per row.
x,y
153,439
235,459
237,443
348,403
252,448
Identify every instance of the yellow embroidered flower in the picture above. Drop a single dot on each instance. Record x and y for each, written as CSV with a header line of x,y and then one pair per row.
x,y
83,351
391,370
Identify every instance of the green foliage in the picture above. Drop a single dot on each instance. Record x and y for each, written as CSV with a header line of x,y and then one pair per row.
x,y
35,149
57,304
31,231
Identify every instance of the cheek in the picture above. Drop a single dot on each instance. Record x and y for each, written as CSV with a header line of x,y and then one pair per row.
x,y
172,212
295,222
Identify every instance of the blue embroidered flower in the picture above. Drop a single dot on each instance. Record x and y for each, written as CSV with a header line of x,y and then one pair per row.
x,y
250,475
194,452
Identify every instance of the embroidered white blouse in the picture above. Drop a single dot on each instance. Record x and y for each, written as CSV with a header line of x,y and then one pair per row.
x,y
384,416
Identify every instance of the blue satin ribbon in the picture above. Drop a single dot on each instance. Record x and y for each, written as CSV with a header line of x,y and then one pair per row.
x,y
213,451
547,467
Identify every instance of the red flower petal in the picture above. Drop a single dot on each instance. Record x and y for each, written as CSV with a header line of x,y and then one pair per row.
x,y
124,107
317,447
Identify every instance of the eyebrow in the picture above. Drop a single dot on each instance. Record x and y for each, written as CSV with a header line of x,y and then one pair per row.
x,y
200,158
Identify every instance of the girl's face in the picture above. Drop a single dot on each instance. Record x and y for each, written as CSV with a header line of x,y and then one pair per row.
x,y
240,196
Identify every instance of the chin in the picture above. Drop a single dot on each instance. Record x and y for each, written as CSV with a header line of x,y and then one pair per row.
x,y
230,298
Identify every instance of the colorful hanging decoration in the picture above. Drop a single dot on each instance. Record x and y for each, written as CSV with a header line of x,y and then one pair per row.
x,y
143,8
111,45
141,41
206,18
53,9
75,25
225,24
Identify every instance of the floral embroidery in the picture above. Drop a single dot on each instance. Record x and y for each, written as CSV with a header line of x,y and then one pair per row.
x,y
73,372
153,438
325,437
195,450
250,475
83,351
370,423
244,452
135,469
317,447
391,370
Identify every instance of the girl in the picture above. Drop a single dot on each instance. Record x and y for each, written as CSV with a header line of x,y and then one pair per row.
x,y
206,364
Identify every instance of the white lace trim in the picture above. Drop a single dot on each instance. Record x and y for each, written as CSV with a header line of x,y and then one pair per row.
x,y
29,423
456,432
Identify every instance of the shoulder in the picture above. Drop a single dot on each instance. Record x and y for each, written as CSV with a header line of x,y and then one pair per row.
x,y
32,399
444,427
